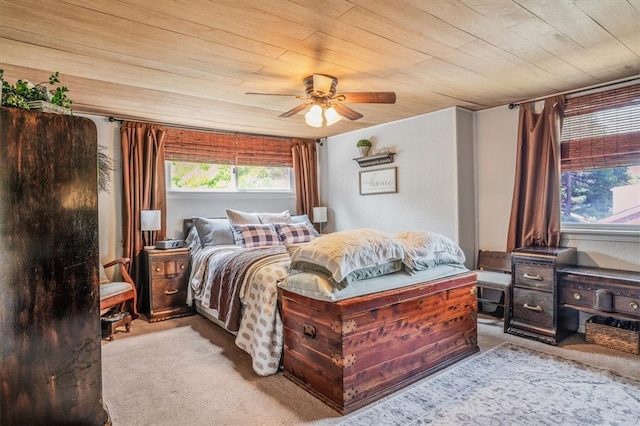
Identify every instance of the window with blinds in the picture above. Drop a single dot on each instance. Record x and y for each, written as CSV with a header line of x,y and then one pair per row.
x,y
218,161
600,158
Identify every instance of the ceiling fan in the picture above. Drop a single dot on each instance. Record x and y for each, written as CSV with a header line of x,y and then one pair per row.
x,y
326,105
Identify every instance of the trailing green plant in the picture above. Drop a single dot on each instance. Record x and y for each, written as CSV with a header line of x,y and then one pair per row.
x,y
24,91
363,142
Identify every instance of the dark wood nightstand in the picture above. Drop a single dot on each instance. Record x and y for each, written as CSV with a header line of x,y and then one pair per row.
x,y
534,308
166,277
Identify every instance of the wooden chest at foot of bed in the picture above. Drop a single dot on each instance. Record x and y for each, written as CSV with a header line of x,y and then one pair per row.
x,y
355,351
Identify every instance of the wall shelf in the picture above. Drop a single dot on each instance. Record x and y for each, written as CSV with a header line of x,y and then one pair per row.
x,y
374,160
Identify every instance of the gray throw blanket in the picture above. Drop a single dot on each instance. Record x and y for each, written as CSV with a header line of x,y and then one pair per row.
x,y
227,279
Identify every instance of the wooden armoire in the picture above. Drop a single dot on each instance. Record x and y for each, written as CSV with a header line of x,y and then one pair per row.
x,y
50,359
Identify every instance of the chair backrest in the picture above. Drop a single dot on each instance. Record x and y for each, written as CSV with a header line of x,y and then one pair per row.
x,y
499,261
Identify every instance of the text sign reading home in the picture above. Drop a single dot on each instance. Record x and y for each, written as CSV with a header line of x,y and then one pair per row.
x,y
381,181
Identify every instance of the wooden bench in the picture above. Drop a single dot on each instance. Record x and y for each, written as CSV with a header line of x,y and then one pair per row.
x,y
494,272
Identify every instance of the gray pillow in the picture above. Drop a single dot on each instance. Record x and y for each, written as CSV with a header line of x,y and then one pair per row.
x,y
213,232
303,218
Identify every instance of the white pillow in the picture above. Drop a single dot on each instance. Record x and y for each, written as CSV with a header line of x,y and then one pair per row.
x,y
237,217
284,217
348,256
425,249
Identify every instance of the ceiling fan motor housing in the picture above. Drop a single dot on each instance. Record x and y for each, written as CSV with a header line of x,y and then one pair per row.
x,y
320,85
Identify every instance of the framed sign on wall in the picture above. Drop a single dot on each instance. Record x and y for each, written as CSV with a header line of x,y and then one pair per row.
x,y
380,181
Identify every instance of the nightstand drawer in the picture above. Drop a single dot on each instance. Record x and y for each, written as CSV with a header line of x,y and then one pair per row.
x,y
169,268
533,307
538,276
168,293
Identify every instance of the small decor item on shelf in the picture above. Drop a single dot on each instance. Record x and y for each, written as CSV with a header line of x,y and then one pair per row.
x,y
26,95
364,145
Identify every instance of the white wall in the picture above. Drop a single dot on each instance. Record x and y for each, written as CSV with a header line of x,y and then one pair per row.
x,y
434,193
110,203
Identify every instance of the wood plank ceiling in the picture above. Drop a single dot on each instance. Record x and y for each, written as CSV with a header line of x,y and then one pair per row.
x,y
190,62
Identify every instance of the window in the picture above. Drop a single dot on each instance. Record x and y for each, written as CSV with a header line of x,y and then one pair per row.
x,y
187,176
600,159
217,161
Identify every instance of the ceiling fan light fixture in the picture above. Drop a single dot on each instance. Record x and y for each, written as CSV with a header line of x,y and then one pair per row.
x,y
332,116
314,117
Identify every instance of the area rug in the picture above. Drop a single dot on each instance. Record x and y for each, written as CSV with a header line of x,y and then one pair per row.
x,y
511,385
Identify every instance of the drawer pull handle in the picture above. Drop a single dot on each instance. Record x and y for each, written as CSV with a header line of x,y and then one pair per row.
x,y
533,277
181,266
633,305
536,308
577,296
309,331
170,292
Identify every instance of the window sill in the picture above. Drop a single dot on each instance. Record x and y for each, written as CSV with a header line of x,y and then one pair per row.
x,y
190,195
624,233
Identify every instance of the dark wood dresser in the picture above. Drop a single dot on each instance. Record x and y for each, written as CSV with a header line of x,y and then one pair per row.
x,y
50,353
534,310
166,277
599,291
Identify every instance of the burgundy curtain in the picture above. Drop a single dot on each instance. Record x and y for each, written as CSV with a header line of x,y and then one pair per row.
x,y
144,189
535,209
305,169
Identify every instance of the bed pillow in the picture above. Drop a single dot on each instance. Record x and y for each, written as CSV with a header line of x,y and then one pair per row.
x,y
257,235
213,232
236,217
425,249
349,256
292,233
284,217
303,218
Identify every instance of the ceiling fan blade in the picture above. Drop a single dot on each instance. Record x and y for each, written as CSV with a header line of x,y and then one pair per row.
x,y
295,110
347,112
369,97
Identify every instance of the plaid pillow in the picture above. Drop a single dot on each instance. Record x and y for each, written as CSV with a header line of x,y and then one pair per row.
x,y
291,233
255,235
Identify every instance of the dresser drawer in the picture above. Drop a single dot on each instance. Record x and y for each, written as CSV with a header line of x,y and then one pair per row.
x,y
577,297
536,276
533,307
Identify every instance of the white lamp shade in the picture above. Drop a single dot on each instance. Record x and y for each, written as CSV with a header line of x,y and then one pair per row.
x,y
319,214
150,220
332,116
314,117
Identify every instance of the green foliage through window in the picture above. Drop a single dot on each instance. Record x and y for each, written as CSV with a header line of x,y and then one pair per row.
x,y
225,177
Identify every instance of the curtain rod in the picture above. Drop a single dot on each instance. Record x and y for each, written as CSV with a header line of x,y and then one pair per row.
x,y
199,129
582,90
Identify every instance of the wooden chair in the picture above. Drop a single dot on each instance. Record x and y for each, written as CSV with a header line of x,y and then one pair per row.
x,y
494,272
117,294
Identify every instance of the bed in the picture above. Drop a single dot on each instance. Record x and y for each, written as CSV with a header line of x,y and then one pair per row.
x,y
416,297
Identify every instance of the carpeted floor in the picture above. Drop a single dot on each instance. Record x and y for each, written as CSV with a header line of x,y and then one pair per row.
x,y
188,371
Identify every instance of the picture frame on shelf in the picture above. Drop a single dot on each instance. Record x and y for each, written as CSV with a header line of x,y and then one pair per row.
x,y
378,181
